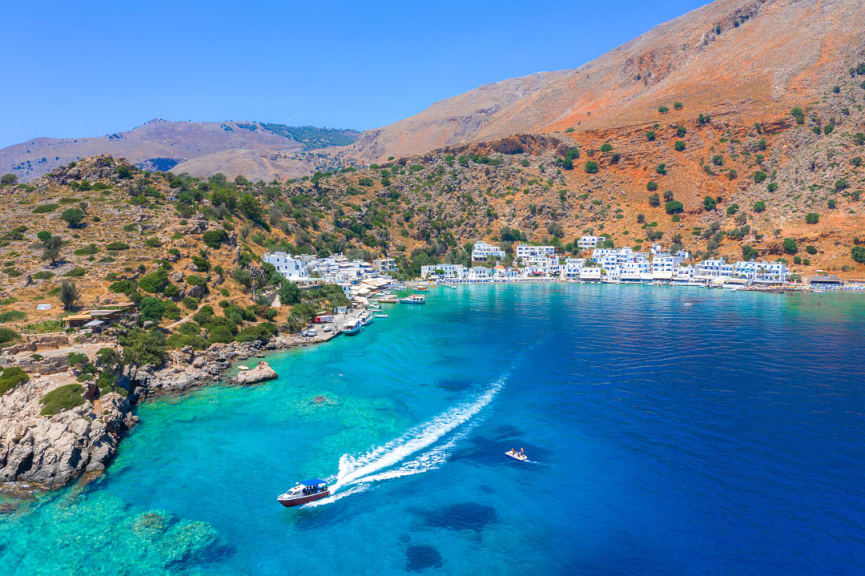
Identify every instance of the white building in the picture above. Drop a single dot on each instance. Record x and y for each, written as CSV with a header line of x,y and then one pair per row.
x,y
385,265
444,271
526,251
482,251
590,274
714,269
478,273
761,272
590,242
291,268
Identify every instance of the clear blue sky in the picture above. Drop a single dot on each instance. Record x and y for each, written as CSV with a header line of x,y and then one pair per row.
x,y
96,67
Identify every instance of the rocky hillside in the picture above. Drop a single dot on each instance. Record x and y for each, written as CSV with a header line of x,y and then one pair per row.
x,y
256,150
741,59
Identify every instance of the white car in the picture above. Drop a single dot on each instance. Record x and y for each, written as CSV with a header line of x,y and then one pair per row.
x,y
309,333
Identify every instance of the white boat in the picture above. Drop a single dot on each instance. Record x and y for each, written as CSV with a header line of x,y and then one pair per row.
x,y
388,299
242,367
413,299
365,318
517,454
304,492
351,327
379,315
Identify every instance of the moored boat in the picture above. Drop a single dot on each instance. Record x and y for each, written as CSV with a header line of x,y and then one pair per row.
x,y
379,315
351,327
388,299
304,492
366,318
413,299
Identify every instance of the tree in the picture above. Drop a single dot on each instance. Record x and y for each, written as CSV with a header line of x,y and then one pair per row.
x,y
858,254
709,203
650,135
759,206
73,217
661,169
681,131
591,167
749,252
674,207
668,195
679,146
654,200
678,105
8,180
798,114
663,109
143,348
812,218
606,147
251,208
50,246
790,246
289,293
68,294
214,238
651,186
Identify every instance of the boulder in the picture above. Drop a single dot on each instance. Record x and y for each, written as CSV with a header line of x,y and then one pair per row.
x,y
260,373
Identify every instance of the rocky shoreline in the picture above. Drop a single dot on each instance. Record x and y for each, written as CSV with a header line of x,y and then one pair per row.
x,y
39,452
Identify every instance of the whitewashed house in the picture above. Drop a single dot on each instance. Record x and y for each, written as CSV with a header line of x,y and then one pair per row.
x,y
590,242
481,251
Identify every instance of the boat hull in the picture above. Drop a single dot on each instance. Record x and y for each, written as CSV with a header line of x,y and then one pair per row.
x,y
301,500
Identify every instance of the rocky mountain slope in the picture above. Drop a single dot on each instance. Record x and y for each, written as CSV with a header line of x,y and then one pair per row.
x,y
254,149
741,59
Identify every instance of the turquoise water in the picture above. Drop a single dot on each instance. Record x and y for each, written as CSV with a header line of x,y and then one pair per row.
x,y
671,431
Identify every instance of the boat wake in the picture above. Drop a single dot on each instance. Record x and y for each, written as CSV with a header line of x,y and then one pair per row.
x,y
421,449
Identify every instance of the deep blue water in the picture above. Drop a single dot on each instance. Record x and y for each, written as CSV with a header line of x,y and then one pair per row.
x,y
671,431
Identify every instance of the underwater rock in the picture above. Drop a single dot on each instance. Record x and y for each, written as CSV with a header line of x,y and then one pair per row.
x,y
422,557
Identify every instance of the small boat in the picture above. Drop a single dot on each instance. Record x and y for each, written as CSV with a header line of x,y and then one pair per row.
x,y
351,327
304,492
413,299
421,288
517,454
365,318
242,367
379,315
388,299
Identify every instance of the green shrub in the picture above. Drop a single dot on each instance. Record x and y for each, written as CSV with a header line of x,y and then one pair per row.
x,y
749,252
214,238
798,114
812,218
709,203
123,287
8,335
261,331
88,250
77,272
45,208
651,185
663,109
678,105
811,249
62,398
790,246
591,167
858,254
73,217
661,169
606,147
679,146
154,282
143,348
681,131
12,316
116,246
654,200
760,176
11,378
759,206
718,160
674,207
732,209
650,135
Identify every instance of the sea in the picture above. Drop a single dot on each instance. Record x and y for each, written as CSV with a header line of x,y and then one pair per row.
x,y
668,431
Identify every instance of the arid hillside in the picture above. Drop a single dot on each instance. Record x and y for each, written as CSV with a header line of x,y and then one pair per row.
x,y
254,149
741,59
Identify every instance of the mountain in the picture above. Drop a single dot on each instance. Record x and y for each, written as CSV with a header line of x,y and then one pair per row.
x,y
741,59
253,149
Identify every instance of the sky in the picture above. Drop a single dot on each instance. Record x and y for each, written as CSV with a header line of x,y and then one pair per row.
x,y
97,67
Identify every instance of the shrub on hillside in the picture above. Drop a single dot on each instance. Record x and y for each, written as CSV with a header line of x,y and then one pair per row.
x,y
62,398
759,206
591,167
679,146
8,335
790,246
812,218
674,207
651,185
11,378
858,254
214,238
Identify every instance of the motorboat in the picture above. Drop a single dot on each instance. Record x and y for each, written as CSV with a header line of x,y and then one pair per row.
x,y
388,299
304,493
517,454
413,299
379,315
351,327
366,318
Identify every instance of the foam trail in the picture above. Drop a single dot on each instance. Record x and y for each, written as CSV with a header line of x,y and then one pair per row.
x,y
364,469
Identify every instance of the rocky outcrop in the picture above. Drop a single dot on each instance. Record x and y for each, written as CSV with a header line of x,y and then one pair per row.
x,y
54,450
260,373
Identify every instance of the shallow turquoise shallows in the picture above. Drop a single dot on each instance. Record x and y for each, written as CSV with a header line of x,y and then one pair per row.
x,y
669,431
